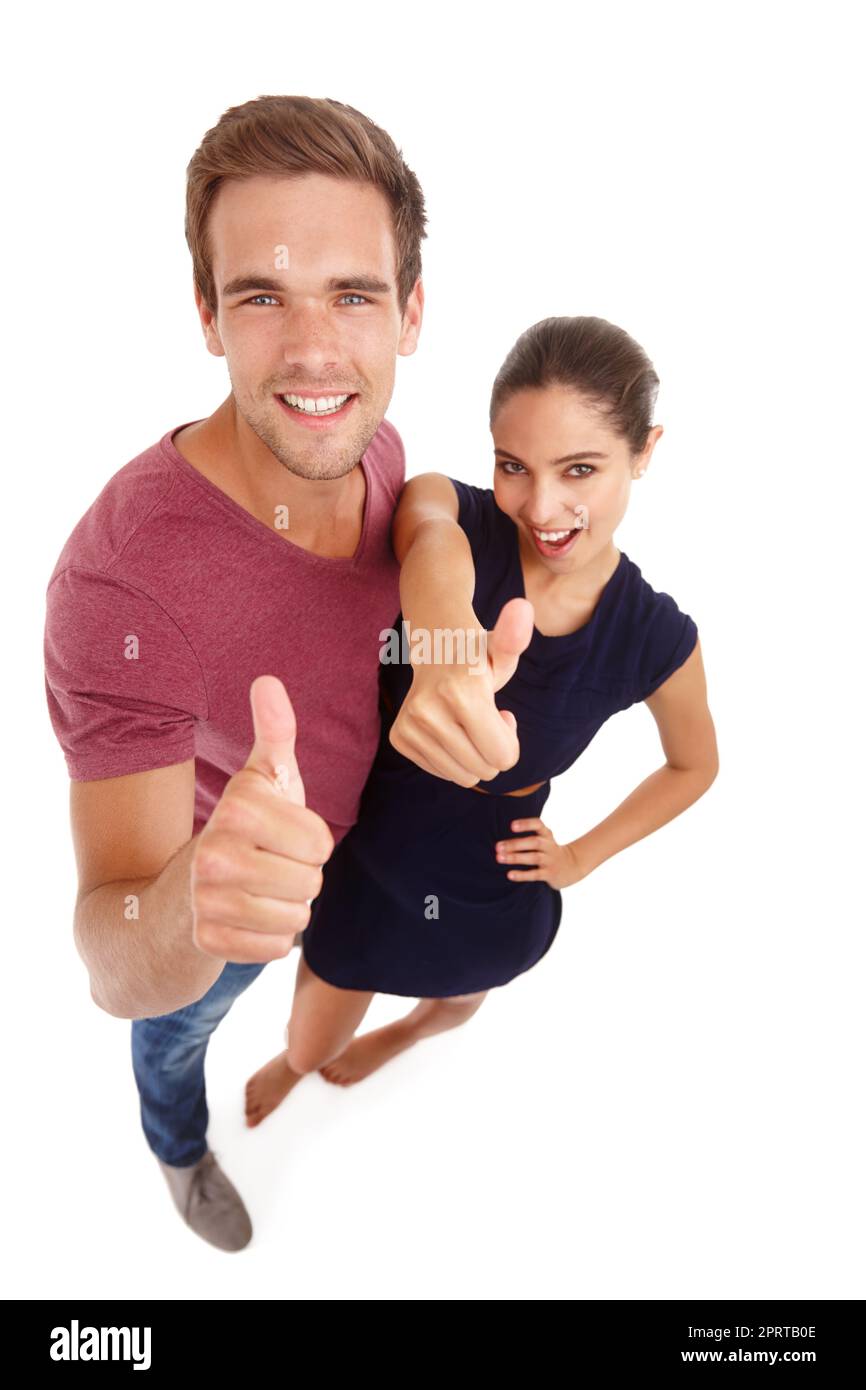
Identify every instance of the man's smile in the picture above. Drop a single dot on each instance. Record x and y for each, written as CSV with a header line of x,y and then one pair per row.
x,y
317,411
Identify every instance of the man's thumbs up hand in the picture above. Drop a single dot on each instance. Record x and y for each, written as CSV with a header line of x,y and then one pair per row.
x,y
258,861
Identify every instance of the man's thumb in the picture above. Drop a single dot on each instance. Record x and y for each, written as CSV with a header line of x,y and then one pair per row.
x,y
273,752
510,637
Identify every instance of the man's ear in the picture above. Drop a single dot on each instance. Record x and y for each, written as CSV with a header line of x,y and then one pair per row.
x,y
207,320
411,325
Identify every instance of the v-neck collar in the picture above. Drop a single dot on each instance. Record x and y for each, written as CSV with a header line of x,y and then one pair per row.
x,y
295,552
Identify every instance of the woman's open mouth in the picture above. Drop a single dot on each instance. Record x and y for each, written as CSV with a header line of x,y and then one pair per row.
x,y
317,412
554,543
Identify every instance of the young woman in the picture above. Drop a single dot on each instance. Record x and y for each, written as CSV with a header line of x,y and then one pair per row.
x,y
444,889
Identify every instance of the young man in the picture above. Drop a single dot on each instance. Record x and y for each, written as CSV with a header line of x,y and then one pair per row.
x,y
254,541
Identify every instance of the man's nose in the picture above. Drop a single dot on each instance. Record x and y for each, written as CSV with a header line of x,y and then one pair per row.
x,y
309,333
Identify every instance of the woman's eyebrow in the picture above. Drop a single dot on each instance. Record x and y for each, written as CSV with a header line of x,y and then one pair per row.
x,y
568,458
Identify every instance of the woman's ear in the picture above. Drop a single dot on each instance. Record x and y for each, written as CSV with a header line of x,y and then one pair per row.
x,y
641,460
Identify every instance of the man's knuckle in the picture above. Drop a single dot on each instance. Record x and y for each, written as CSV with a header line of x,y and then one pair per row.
x,y
290,916
208,902
210,860
302,916
327,843
208,936
238,815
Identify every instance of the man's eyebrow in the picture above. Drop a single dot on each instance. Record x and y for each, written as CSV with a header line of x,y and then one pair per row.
x,y
243,284
569,458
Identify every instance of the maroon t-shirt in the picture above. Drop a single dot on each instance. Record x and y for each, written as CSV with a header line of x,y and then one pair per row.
x,y
169,598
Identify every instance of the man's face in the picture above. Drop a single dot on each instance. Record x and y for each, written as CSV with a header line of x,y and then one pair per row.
x,y
305,274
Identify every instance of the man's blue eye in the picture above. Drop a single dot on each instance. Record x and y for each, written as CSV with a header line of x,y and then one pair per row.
x,y
256,297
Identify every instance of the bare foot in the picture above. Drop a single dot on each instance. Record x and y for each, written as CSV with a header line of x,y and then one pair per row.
x,y
366,1054
264,1091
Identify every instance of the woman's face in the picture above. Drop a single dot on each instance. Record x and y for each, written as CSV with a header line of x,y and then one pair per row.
x,y
561,469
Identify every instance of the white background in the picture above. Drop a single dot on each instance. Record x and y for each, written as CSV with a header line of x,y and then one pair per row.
x,y
670,1104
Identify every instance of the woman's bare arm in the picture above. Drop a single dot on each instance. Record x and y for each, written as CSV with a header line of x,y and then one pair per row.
x,y
449,723
688,738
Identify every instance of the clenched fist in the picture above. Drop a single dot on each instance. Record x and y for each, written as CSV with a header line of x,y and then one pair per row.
x,y
258,861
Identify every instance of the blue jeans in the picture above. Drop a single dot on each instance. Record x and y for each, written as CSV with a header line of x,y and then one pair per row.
x,y
168,1061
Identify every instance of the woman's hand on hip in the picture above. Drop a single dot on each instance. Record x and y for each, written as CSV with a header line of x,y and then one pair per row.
x,y
537,857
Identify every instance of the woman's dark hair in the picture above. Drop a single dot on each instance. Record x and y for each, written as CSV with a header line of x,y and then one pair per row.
x,y
591,356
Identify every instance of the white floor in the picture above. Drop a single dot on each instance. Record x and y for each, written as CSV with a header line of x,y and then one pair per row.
x,y
662,1108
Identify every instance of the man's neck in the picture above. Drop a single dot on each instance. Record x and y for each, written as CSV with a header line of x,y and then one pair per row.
x,y
323,516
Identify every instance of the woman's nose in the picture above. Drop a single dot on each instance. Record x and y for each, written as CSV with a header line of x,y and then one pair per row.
x,y
545,507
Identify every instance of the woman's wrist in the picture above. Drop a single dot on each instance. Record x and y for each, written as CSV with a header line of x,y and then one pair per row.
x,y
580,859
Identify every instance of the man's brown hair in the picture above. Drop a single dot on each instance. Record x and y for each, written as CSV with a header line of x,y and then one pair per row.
x,y
297,135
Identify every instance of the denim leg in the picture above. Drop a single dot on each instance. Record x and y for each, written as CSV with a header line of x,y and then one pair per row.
x,y
168,1055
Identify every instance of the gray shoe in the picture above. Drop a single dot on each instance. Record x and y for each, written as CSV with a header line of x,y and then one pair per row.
x,y
209,1204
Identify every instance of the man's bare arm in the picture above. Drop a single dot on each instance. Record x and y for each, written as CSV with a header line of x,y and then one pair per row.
x,y
159,910
133,914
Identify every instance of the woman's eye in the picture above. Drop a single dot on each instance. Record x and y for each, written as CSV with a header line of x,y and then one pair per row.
x,y
508,466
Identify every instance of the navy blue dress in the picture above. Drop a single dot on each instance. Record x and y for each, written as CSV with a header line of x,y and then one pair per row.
x,y
413,901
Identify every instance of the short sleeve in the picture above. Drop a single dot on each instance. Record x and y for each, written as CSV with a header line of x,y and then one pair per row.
x,y
124,687
394,459
669,639
474,513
